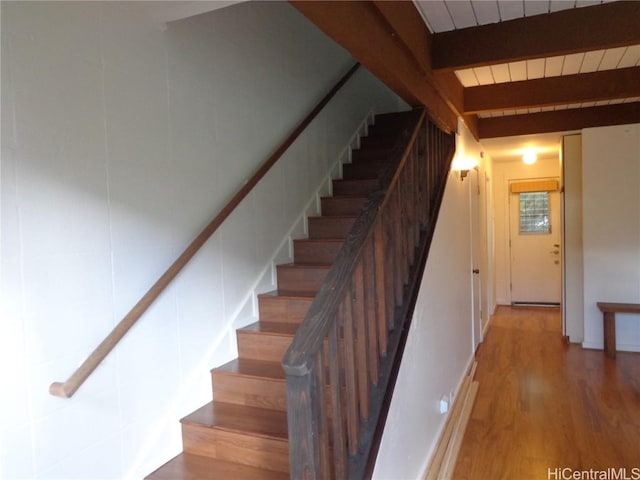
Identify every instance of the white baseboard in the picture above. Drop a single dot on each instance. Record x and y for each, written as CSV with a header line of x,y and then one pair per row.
x,y
620,347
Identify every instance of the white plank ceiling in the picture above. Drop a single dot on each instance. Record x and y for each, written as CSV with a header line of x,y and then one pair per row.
x,y
446,15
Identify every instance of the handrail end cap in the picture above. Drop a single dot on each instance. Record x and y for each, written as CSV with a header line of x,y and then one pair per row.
x,y
58,389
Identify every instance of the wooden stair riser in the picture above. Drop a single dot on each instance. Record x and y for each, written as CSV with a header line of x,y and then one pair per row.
x,y
239,447
297,279
277,308
381,139
316,252
364,170
257,392
262,346
342,205
330,227
394,120
369,155
356,187
382,129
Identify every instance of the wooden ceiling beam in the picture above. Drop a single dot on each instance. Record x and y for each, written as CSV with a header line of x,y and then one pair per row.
x,y
581,88
559,121
405,20
390,40
577,30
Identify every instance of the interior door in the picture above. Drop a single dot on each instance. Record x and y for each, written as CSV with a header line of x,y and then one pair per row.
x,y
476,256
536,266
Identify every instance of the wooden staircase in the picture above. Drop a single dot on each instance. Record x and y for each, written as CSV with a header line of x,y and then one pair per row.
x,y
242,433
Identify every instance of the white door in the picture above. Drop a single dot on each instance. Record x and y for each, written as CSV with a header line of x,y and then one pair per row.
x,y
535,248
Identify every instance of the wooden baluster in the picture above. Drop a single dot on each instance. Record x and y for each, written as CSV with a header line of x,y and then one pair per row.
x,y
399,246
323,434
424,181
304,397
413,200
351,394
417,196
422,178
405,235
435,168
380,288
362,363
389,269
371,314
407,232
337,419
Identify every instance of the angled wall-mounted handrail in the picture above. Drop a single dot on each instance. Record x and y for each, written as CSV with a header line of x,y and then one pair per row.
x,y
68,388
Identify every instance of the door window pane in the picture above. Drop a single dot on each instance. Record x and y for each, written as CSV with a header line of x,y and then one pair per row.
x,y
534,212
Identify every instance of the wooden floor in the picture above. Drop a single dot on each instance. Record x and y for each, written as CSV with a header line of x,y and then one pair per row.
x,y
543,404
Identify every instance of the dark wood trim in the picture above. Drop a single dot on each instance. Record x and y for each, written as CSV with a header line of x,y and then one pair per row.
x,y
388,42
581,88
559,121
609,25
407,25
68,388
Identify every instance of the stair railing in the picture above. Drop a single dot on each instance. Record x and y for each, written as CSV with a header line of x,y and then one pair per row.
x,y
68,388
340,365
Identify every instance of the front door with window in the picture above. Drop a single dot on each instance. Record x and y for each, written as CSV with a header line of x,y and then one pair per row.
x,y
535,247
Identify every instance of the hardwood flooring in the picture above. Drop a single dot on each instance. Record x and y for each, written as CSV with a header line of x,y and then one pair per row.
x,y
544,405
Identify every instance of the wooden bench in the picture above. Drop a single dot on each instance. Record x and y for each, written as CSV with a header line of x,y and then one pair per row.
x,y
609,311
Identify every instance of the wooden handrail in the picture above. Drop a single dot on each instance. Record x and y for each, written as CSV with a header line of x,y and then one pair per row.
x,y
68,388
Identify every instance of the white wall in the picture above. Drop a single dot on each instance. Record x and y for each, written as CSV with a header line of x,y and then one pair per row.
x,y
439,346
121,138
503,173
611,229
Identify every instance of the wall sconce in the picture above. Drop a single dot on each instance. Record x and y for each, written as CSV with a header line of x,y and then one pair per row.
x,y
463,165
529,157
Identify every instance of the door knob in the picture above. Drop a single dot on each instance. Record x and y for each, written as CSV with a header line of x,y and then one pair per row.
x,y
476,270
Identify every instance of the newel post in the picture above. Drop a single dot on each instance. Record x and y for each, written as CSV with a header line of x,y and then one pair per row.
x,y
306,430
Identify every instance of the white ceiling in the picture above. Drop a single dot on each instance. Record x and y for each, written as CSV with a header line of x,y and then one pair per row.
x,y
507,149
446,15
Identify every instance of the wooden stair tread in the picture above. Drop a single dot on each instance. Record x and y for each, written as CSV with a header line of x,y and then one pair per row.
x,y
272,328
252,368
333,217
260,422
318,240
348,197
274,293
303,266
187,466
